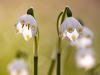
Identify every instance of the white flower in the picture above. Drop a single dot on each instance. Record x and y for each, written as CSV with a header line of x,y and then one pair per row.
x,y
83,42
19,27
72,36
69,27
87,32
18,67
85,59
27,26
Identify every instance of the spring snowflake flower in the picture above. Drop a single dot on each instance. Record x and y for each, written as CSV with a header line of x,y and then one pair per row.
x,y
70,28
18,67
87,32
85,59
85,39
84,42
26,26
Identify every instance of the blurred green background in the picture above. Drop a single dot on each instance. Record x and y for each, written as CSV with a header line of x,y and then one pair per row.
x,y
46,12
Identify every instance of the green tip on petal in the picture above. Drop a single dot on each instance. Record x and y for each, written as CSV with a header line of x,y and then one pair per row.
x,y
81,22
30,11
69,12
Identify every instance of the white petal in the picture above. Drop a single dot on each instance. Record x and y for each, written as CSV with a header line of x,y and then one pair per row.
x,y
83,42
69,22
73,43
64,35
72,36
87,32
13,73
19,27
85,59
27,33
28,19
24,72
16,65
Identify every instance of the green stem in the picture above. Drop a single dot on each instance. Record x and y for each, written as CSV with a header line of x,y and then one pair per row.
x,y
69,53
59,22
58,19
36,39
36,56
35,65
58,64
63,16
53,61
59,57
59,45
51,67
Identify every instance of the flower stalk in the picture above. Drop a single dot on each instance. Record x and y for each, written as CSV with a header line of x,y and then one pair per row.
x,y
35,49
51,67
67,12
60,19
53,62
36,57
59,45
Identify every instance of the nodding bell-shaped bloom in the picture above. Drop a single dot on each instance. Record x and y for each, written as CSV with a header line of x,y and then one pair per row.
x,y
83,43
18,67
85,39
27,26
87,32
70,28
85,59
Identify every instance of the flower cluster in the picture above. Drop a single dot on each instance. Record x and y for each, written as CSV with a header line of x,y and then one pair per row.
x,y
71,28
85,56
81,37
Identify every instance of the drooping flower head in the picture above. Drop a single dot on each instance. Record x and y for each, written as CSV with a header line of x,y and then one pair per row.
x,y
85,58
83,43
70,27
27,26
85,39
86,32
18,67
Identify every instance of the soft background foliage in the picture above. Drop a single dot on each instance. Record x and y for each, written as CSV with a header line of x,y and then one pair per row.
x,y
46,12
